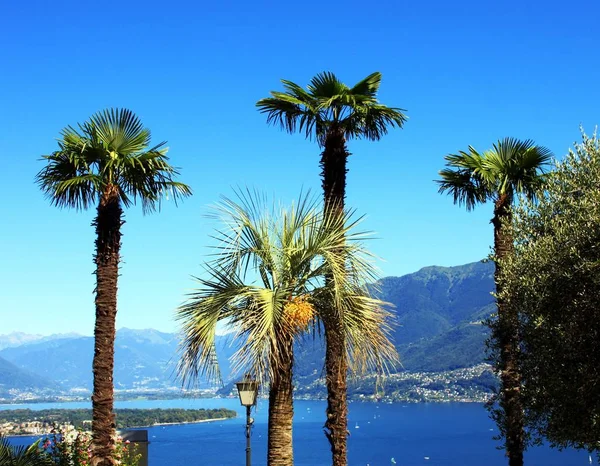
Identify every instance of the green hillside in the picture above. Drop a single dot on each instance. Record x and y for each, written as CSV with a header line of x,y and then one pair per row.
x,y
439,313
13,377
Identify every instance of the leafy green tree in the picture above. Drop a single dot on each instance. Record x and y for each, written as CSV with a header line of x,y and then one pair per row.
x,y
332,113
552,281
267,282
22,455
510,167
107,160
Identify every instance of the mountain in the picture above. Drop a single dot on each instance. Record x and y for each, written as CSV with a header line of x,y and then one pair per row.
x,y
11,377
438,316
19,338
438,311
143,359
436,299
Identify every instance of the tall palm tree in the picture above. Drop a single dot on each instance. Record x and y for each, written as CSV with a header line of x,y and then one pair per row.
x,y
333,113
266,282
108,160
511,166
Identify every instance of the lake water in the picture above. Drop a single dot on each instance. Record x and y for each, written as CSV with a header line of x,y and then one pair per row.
x,y
457,434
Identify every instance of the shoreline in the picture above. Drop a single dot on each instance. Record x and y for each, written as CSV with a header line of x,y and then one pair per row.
x,y
200,421
180,423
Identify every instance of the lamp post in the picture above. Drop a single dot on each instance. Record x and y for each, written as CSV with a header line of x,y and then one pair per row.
x,y
248,389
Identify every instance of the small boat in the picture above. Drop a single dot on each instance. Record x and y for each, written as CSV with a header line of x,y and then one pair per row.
x,y
357,426
393,461
426,457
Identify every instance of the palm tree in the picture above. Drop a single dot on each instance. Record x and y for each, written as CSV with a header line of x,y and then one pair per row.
x,y
266,282
23,456
511,166
333,113
108,160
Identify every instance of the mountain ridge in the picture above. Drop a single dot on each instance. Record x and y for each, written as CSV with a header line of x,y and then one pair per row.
x,y
438,311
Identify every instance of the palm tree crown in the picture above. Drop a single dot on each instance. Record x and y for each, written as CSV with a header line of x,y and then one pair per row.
x,y
328,103
111,149
267,280
511,166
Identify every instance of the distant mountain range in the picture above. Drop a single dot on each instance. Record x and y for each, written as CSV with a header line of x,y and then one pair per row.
x,y
19,338
439,311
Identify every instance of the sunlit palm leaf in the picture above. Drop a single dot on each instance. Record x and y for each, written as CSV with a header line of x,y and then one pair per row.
x,y
266,257
368,86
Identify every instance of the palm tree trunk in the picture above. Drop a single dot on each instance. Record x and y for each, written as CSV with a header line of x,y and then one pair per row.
x,y
280,450
108,243
508,339
333,174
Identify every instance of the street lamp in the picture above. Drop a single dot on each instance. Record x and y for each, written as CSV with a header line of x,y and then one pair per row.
x,y
248,389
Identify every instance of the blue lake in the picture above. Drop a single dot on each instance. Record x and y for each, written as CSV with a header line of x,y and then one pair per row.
x,y
457,434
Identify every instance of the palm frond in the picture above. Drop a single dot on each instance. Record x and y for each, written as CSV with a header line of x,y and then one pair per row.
x,y
368,86
464,179
265,258
289,113
220,297
149,177
372,121
516,166
369,327
112,148
328,103
120,131
326,85
67,180
30,455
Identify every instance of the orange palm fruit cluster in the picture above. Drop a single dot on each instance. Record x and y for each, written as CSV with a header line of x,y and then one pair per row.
x,y
299,312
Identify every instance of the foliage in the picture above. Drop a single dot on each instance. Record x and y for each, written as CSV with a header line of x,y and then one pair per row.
x,y
510,166
553,280
326,103
74,448
22,456
268,271
112,148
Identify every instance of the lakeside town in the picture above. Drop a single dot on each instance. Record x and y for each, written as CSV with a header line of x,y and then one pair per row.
x,y
469,385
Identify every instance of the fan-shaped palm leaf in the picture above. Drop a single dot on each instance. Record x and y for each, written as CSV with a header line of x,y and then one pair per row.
x,y
264,258
511,166
111,149
23,455
327,103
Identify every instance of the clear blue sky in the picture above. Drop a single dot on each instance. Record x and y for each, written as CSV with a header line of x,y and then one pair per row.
x,y
467,73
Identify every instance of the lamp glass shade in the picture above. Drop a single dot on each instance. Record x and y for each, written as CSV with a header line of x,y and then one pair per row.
x,y
247,390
